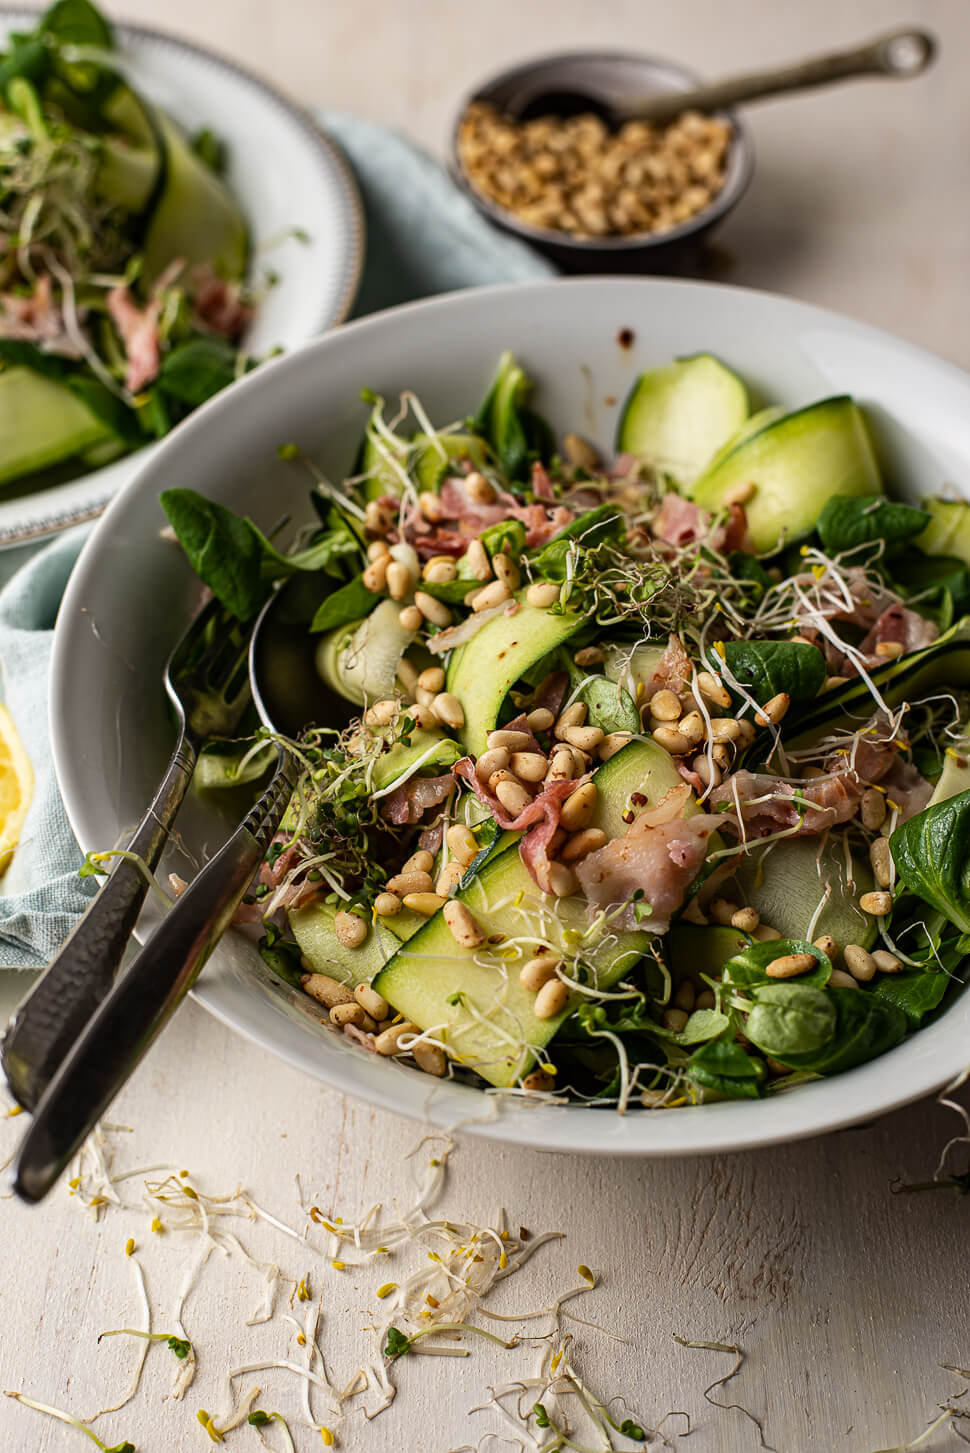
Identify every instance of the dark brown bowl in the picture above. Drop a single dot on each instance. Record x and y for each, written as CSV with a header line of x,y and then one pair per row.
x,y
609,79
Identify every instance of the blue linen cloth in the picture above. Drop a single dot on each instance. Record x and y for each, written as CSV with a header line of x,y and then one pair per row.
x,y
423,237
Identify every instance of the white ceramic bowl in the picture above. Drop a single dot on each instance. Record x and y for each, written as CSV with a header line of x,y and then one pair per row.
x,y
132,591
285,173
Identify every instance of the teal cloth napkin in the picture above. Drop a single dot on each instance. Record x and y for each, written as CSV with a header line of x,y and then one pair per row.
x,y
423,237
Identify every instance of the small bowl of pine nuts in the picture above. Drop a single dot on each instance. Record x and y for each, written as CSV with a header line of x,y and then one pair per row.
x,y
535,151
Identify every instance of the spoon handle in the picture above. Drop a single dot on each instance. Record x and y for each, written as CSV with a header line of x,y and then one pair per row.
x,y
146,996
899,54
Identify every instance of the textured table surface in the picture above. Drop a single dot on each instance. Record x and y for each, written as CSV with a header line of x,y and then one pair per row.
x,y
847,1300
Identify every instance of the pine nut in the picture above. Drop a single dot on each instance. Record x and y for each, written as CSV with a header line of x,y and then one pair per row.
x,y
463,925
705,999
479,488
352,1013
587,840
574,715
773,710
551,999
386,905
722,910
889,650
350,928
496,759
827,944
713,689
431,1058
685,997
693,727
876,904
580,453
763,934
665,706
387,1041
427,904
502,775
739,494
448,710
746,920
411,618
513,796
612,743
376,518
886,962
461,844
490,595
476,558
708,772
651,1099
725,729
431,507
399,580
529,766
588,656
881,858
675,1019
542,594
325,990
746,732
381,712
375,576
538,1081
722,755
433,679
433,610
562,767
377,550
507,571
832,682
789,966
512,741
562,880
420,862
586,738
579,807
439,572
418,881
449,878
858,961
872,809
671,740
538,971
840,980
541,719
371,1002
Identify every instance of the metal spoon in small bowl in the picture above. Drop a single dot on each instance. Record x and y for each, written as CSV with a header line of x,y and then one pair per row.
x,y
898,55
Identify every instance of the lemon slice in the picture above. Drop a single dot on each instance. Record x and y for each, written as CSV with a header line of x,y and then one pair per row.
x,y
16,787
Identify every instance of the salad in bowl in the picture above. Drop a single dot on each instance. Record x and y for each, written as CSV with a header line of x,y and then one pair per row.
x,y
643,780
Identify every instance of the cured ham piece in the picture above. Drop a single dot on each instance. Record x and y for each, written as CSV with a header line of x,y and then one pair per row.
x,y
657,858
138,329
409,802
539,821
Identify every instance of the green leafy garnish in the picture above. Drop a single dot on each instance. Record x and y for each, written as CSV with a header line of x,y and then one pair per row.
x,y
766,668
846,522
932,856
397,1344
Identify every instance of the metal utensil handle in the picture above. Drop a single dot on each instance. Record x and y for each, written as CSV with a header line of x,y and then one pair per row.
x,y
77,979
143,1000
900,54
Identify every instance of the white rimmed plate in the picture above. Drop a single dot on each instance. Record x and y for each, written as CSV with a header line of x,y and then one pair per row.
x,y
131,594
286,174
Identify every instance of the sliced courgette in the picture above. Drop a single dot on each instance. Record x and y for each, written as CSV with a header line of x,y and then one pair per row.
x,y
41,423
795,463
675,418
948,532
196,217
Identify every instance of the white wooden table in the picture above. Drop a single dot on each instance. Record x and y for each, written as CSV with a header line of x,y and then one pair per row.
x,y
846,1299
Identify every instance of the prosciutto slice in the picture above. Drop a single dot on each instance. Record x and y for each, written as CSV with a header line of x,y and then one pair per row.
x,y
138,329
409,802
680,522
659,855
539,821
756,804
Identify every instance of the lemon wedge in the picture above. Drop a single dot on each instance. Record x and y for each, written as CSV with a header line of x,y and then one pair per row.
x,y
16,787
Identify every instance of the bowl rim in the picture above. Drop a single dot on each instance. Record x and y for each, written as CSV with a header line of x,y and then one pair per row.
x,y
449,1106
727,198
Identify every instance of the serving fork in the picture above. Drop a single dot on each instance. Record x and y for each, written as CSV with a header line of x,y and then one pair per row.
x,y
207,683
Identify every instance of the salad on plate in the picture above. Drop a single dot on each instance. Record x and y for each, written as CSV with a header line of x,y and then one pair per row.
x,y
644,780
123,257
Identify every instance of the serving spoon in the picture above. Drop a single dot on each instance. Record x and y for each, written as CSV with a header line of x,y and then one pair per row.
x,y
898,55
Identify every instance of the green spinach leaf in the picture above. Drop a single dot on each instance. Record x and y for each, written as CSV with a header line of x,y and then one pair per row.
x,y
866,1025
789,1019
916,994
765,668
505,538
196,371
932,856
722,1065
348,604
609,707
748,968
748,567
224,550
595,527
517,434
848,521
